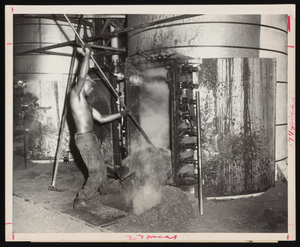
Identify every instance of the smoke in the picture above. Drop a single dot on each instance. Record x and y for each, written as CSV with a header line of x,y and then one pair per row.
x,y
151,167
154,108
145,197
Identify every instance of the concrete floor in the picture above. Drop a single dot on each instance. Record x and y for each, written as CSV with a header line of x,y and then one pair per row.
x,y
38,210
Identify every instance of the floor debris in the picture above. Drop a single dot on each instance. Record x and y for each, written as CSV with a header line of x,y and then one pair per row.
x,y
177,212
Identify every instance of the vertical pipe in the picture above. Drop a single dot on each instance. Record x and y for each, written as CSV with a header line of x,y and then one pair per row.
x,y
57,102
173,105
25,147
199,152
114,106
24,140
114,43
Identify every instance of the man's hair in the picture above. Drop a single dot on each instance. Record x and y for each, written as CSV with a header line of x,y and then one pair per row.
x,y
90,79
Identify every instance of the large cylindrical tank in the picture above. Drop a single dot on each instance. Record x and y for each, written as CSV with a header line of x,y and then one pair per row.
x,y
222,36
46,77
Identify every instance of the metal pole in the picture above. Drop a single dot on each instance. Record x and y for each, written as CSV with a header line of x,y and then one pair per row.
x,y
111,87
25,147
116,125
200,187
25,137
63,121
44,49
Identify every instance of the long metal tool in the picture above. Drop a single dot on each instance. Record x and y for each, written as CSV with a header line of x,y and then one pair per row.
x,y
112,88
63,121
200,177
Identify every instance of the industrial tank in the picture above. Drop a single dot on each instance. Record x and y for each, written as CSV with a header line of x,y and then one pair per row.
x,y
223,42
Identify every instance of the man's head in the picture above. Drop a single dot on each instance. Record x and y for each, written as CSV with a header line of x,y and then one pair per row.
x,y
88,85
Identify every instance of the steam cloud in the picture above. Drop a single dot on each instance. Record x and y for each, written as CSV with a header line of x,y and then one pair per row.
x,y
151,165
145,197
154,108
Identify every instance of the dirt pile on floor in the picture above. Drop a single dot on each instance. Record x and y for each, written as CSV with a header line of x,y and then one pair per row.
x,y
149,164
151,167
172,214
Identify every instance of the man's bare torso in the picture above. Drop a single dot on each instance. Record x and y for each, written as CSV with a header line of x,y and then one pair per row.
x,y
81,112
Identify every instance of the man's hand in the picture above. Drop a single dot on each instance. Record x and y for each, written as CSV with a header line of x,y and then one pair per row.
x,y
87,48
85,65
126,112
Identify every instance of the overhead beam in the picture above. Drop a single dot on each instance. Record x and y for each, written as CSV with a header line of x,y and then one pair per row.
x,y
108,48
43,49
53,53
103,53
141,26
108,53
57,17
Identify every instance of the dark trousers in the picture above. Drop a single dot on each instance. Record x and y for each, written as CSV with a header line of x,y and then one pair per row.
x,y
89,148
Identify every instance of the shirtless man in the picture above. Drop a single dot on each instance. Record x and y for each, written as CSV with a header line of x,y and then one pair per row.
x,y
85,138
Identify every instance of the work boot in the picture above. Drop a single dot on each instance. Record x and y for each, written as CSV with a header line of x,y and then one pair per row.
x,y
79,203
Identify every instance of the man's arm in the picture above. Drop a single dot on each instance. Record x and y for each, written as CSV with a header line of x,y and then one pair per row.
x,y
83,71
108,118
